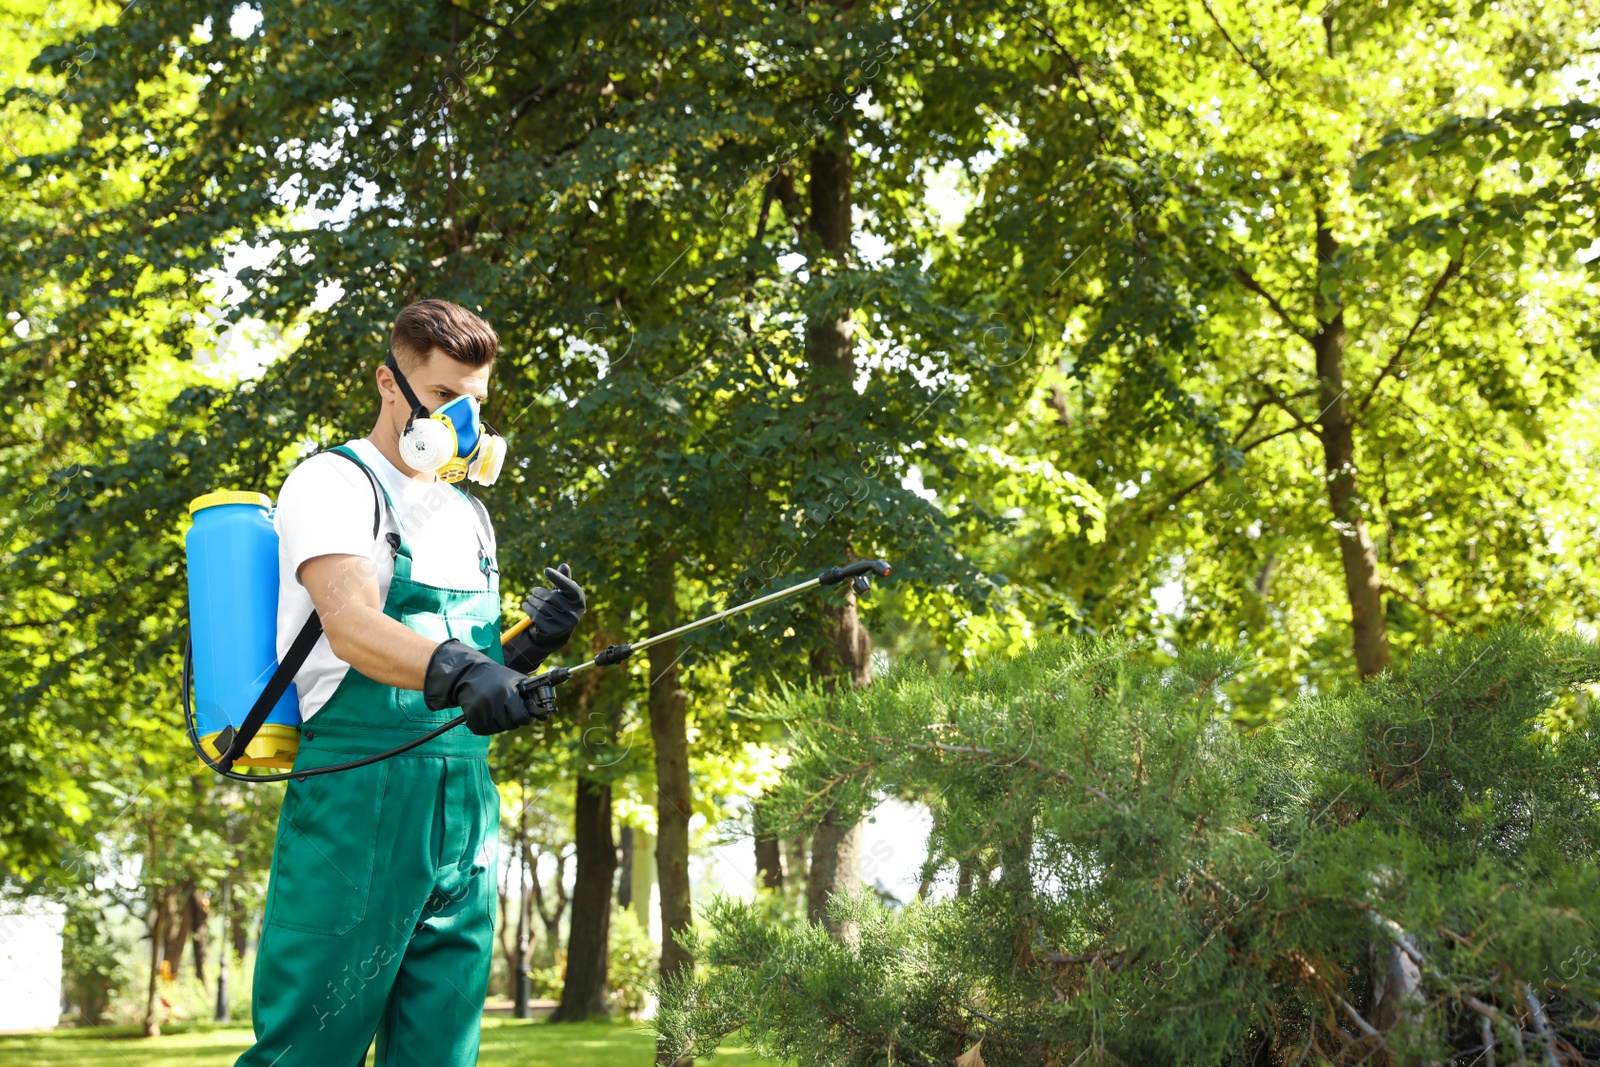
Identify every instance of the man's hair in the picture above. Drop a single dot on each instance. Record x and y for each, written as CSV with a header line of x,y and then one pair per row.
x,y
451,328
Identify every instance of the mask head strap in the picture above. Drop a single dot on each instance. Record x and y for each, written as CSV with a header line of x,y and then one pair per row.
x,y
417,407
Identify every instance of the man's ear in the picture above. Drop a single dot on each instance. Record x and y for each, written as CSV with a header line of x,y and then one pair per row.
x,y
388,389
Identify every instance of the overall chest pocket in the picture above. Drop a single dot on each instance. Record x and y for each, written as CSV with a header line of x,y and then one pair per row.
x,y
440,624
327,844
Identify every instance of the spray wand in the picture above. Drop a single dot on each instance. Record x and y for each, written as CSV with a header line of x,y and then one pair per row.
x,y
540,689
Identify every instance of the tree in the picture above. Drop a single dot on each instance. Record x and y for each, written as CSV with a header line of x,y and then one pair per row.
x,y
597,710
1315,302
1150,884
536,812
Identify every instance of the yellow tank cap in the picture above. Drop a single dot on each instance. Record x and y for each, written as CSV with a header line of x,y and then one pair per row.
x,y
229,496
273,748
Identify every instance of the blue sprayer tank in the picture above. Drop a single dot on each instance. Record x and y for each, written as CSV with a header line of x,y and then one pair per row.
x,y
232,551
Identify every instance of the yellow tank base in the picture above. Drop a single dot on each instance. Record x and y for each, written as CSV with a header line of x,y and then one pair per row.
x,y
272,749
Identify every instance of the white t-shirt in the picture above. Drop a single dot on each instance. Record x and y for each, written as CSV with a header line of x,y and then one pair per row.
x,y
325,508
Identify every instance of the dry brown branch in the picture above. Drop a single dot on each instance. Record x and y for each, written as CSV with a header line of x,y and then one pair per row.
x,y
1541,1025
1355,1017
1493,1014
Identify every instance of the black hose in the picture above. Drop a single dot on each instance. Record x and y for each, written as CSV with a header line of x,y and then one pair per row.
x,y
194,739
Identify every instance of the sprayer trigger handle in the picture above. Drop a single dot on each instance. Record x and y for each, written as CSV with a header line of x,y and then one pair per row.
x,y
854,570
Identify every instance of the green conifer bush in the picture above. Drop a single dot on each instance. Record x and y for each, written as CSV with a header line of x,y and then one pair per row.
x,y
1398,872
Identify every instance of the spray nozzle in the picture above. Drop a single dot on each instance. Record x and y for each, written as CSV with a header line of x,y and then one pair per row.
x,y
539,692
543,699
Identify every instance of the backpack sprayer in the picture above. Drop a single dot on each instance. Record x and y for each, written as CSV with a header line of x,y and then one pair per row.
x,y
242,710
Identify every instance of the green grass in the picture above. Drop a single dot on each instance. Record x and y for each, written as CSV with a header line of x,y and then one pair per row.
x,y
506,1043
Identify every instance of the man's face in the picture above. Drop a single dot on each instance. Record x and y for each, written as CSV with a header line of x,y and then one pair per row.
x,y
436,381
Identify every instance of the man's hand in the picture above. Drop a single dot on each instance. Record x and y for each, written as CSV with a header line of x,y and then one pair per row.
x,y
556,611
459,676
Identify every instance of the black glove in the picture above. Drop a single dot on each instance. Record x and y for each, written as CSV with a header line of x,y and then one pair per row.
x,y
555,613
459,676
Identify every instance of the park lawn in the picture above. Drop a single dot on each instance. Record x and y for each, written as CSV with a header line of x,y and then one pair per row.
x,y
506,1043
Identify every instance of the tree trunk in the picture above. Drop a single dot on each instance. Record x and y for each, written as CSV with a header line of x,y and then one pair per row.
x,y
1398,999
176,925
830,351
669,731
239,931
796,862
521,981
503,925
199,916
830,356
152,996
521,984
964,878
225,907
1016,865
644,876
835,868
1359,556
625,867
583,990
836,844
550,918
769,856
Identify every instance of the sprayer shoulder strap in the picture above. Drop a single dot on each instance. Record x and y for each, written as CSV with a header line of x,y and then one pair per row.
x,y
233,743
232,747
379,496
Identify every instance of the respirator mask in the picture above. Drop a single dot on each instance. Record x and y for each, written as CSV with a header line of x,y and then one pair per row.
x,y
453,441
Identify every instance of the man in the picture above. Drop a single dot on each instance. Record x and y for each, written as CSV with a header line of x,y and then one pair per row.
x,y
381,905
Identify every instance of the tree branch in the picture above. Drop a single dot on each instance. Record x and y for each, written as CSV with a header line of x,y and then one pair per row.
x,y
1355,1017
1441,616
960,750
1493,1014
1255,413
1097,956
1258,442
1541,1025
1031,764
1077,76
1246,279
1283,402
1451,269
476,17
1226,36
881,1044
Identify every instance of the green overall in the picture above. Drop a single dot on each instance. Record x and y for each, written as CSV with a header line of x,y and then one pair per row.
x,y
381,906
